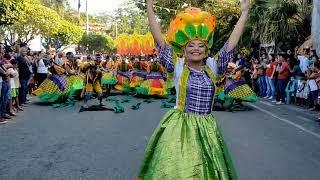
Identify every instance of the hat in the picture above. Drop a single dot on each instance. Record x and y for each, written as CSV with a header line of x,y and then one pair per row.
x,y
191,24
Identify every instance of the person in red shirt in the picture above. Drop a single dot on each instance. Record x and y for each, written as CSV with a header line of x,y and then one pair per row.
x,y
283,75
270,73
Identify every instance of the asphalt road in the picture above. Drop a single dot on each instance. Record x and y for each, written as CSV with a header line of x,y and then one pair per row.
x,y
268,143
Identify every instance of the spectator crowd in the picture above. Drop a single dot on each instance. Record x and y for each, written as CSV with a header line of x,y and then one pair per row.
x,y
21,71
287,78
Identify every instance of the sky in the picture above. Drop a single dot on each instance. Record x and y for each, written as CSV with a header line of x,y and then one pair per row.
x,y
97,6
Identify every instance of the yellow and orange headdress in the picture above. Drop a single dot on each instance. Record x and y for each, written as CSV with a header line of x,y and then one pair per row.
x,y
135,44
190,24
123,45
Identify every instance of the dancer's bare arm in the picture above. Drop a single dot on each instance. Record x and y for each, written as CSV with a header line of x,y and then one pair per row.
x,y
154,25
239,28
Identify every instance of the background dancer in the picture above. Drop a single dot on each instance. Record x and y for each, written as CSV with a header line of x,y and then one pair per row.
x,y
93,82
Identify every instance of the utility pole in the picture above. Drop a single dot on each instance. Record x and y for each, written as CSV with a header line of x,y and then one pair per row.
x,y
315,27
116,30
79,14
87,18
87,23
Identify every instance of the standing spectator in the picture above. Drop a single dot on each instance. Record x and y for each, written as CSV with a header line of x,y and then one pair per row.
x,y
301,91
283,74
295,69
270,73
11,74
262,76
24,75
240,61
247,72
313,94
254,75
4,91
314,60
42,65
60,59
15,84
304,60
31,61
291,90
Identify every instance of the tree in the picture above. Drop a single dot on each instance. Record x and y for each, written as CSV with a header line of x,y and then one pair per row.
x,y
129,19
280,21
98,42
9,11
37,19
68,33
59,6
34,20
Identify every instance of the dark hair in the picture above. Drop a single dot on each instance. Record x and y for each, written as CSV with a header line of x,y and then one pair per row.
x,y
69,53
315,56
284,56
13,62
317,65
7,56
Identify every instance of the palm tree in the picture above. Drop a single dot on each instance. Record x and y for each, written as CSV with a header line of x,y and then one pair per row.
x,y
281,21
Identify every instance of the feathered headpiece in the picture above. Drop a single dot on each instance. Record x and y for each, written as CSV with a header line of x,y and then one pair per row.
x,y
190,24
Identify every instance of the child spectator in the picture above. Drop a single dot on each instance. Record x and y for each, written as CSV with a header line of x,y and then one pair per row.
x,y
291,90
302,89
14,85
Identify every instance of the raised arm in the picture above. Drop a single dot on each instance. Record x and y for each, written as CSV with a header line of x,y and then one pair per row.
x,y
239,28
154,25
165,52
227,52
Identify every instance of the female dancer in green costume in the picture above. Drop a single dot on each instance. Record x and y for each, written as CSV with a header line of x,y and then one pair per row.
x,y
188,144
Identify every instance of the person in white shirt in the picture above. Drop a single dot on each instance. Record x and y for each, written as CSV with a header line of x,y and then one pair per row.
x,y
42,69
304,61
14,86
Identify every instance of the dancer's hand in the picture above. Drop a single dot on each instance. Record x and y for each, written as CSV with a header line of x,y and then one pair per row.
x,y
150,2
239,28
245,5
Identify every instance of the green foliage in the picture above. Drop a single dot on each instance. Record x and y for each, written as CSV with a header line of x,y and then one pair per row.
x,y
37,19
68,33
98,42
58,5
130,19
9,11
280,21
34,20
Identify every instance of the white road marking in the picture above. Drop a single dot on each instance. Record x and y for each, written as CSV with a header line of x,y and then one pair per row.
x,y
266,103
303,118
287,121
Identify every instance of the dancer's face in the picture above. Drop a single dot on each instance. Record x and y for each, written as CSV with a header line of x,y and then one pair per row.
x,y
195,51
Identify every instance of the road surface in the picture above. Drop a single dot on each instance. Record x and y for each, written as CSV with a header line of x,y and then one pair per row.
x,y
268,143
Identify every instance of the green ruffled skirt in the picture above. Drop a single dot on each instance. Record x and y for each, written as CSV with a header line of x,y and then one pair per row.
x,y
109,78
186,146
